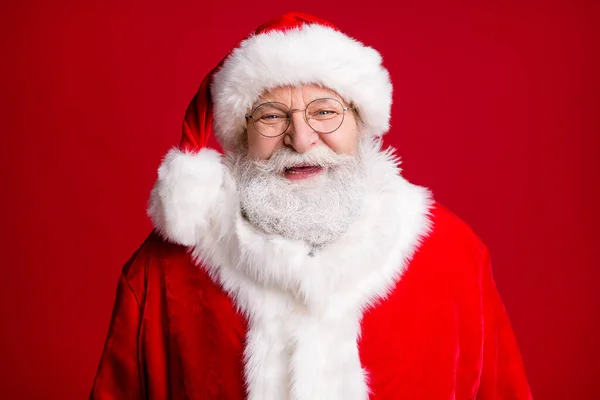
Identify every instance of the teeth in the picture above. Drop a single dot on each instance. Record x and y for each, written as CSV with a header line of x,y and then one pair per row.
x,y
299,170
302,169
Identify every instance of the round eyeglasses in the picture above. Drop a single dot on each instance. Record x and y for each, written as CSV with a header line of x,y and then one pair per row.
x,y
272,119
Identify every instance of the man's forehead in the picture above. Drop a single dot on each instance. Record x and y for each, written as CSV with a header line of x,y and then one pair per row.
x,y
309,91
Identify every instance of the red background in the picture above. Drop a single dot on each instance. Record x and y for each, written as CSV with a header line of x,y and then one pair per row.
x,y
496,109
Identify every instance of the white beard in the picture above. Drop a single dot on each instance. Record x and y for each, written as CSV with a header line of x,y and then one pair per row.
x,y
317,210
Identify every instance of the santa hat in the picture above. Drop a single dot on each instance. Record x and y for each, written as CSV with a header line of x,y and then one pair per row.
x,y
290,50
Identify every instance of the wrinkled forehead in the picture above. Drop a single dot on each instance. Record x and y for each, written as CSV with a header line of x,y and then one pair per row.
x,y
305,92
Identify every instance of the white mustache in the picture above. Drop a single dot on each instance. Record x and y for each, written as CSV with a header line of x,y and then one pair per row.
x,y
321,156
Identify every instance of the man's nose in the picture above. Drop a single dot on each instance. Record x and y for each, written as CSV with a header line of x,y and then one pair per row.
x,y
300,135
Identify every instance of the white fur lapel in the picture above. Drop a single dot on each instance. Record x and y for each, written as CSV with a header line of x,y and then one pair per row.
x,y
304,311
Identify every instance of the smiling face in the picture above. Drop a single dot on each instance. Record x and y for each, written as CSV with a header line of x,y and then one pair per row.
x,y
300,137
302,184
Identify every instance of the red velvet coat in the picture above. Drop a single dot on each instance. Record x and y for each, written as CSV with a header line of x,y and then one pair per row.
x,y
442,332
401,305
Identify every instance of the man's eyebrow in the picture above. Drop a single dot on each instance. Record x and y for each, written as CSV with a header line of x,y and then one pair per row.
x,y
260,101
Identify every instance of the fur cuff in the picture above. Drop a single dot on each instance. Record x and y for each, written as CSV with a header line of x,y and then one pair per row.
x,y
186,191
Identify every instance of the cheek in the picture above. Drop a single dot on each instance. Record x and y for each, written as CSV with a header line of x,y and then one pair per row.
x,y
342,141
260,146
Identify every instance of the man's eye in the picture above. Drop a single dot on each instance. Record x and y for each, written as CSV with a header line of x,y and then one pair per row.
x,y
324,114
271,117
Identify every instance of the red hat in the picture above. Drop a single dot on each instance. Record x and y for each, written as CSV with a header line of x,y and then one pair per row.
x,y
292,49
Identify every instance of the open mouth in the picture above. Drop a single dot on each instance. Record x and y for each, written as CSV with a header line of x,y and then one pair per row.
x,y
298,172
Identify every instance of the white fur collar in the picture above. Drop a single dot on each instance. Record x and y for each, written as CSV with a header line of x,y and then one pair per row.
x,y
304,311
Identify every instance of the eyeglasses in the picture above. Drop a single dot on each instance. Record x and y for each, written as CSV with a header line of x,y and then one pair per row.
x,y
272,119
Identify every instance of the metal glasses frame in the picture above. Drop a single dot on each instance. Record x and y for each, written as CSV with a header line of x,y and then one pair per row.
x,y
293,110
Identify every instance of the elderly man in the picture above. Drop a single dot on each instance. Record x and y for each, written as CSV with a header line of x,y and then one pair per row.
x,y
300,264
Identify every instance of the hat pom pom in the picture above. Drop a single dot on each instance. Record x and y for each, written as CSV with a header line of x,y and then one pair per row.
x,y
185,193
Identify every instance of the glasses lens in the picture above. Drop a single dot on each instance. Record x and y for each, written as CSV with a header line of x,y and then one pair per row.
x,y
325,115
271,119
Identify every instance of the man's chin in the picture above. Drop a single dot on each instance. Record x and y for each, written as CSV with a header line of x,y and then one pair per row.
x,y
314,201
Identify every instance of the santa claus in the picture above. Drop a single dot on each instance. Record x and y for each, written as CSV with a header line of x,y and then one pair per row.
x,y
300,264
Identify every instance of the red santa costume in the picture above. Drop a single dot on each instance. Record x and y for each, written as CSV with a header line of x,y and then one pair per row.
x,y
402,306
